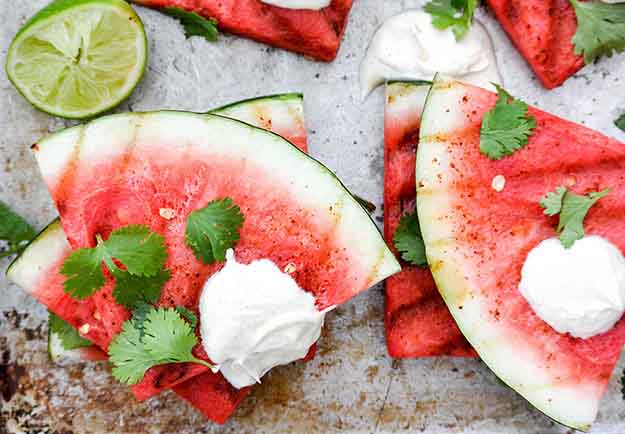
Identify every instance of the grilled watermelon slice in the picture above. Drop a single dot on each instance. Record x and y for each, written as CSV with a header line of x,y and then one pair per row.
x,y
316,34
316,218
418,324
212,395
477,240
542,30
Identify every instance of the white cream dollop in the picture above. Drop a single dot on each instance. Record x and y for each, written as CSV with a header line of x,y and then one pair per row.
x,y
255,317
299,4
408,47
580,290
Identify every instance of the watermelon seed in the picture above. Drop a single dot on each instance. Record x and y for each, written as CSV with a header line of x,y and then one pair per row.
x,y
499,183
167,213
96,315
84,329
290,268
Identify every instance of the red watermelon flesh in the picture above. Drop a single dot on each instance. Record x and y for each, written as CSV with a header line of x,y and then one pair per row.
x,y
314,33
478,239
145,178
418,323
543,31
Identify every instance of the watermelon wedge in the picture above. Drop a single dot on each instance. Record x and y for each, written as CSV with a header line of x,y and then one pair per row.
x,y
418,324
382,258
283,114
477,240
314,33
542,30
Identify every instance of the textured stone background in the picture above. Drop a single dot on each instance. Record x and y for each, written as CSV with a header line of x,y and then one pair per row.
x,y
352,386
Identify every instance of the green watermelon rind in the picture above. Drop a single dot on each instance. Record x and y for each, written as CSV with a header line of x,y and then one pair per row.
x,y
442,117
296,97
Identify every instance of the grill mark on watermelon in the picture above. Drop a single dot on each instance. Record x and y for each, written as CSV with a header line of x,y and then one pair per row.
x,y
542,31
418,324
516,224
314,33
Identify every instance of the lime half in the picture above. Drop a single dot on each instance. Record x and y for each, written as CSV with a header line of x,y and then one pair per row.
x,y
79,58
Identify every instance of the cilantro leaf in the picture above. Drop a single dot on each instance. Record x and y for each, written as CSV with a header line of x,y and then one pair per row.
x,y
162,337
142,251
600,29
194,24
552,202
457,14
409,242
188,315
506,128
214,229
70,339
128,355
14,230
131,290
572,209
620,122
143,255
83,272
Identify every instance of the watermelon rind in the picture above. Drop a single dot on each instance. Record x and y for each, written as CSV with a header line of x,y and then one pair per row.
x,y
38,256
570,405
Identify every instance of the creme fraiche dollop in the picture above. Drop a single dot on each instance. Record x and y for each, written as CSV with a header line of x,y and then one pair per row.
x,y
580,290
299,4
254,317
409,47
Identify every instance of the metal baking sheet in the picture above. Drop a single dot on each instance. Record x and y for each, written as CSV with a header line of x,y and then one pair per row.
x,y
352,386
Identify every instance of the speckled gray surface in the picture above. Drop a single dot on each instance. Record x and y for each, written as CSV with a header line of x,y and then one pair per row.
x,y
352,386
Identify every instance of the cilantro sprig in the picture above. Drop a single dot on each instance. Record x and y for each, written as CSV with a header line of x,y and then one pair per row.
x,y
214,229
69,337
457,14
194,24
620,122
600,29
506,128
409,241
141,252
162,336
14,230
572,209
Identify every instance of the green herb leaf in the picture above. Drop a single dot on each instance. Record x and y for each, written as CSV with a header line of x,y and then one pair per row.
x,y
214,229
70,339
620,122
600,29
409,242
457,14
143,255
128,355
14,230
162,337
131,290
506,128
572,209
553,201
83,272
188,315
194,24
